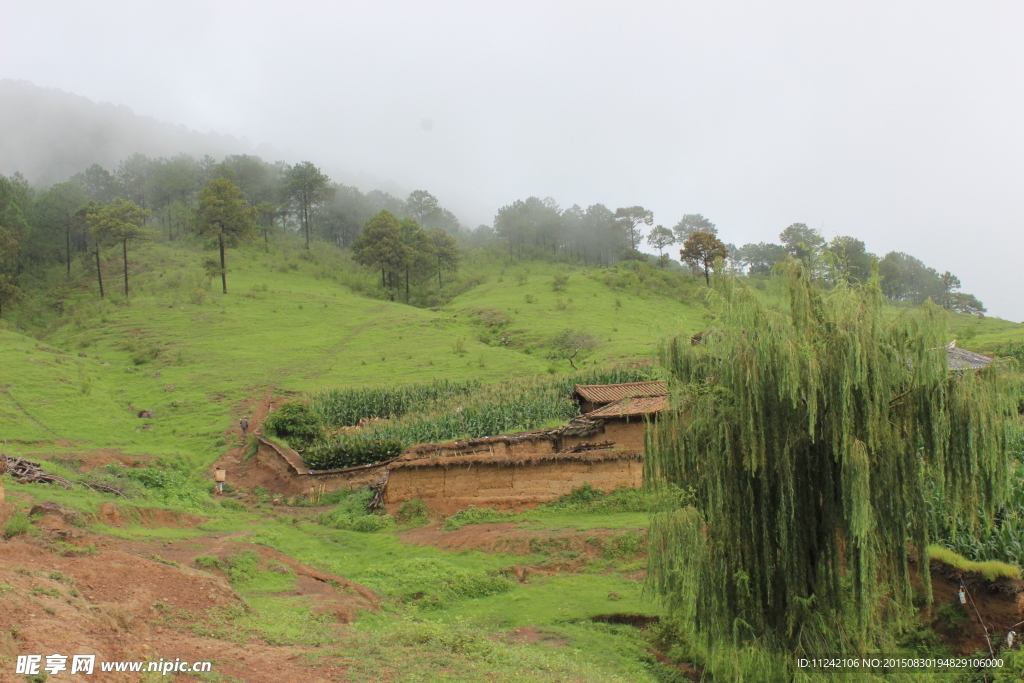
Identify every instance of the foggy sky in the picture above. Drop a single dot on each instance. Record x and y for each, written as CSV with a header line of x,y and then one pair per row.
x,y
900,123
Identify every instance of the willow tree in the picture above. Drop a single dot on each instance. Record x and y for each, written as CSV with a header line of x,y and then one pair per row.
x,y
806,437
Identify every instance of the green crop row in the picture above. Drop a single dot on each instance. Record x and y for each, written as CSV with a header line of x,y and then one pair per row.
x,y
347,406
999,537
428,413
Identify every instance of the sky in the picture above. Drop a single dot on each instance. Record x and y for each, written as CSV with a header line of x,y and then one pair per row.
x,y
899,123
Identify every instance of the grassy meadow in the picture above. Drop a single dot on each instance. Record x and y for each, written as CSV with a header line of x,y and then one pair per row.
x,y
180,348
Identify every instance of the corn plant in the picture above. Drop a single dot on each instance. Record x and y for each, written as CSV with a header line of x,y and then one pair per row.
x,y
444,411
344,407
998,537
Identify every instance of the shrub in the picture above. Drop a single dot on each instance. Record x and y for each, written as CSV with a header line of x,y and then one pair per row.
x,y
145,353
350,451
296,422
351,514
412,513
456,639
590,500
475,515
584,495
17,525
628,544
363,523
434,582
207,561
241,567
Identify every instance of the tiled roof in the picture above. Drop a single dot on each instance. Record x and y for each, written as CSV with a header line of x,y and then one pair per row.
x,y
630,407
609,393
962,359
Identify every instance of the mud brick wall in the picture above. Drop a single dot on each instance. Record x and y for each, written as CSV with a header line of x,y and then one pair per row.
x,y
626,435
288,475
449,487
504,472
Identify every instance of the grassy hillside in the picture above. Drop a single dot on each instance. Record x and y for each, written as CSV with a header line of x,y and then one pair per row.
x,y
528,303
192,355
295,321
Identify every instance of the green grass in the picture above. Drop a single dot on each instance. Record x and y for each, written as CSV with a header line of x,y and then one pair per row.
x,y
984,335
17,525
990,570
553,600
623,312
582,509
249,341
423,651
218,350
442,610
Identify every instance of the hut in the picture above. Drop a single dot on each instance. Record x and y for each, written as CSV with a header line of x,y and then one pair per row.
x,y
594,396
962,359
625,421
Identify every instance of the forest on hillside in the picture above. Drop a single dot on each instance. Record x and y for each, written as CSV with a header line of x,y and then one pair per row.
x,y
412,242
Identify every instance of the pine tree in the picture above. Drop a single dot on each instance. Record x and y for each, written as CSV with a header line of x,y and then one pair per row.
x,y
119,223
224,215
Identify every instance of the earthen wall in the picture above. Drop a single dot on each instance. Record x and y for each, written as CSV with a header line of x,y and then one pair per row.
x,y
503,472
289,476
453,486
626,435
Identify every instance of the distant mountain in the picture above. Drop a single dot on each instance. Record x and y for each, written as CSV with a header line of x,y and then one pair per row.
x,y
49,135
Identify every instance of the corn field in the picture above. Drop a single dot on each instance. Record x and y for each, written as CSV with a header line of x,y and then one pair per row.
x,y
445,410
494,410
345,407
1000,537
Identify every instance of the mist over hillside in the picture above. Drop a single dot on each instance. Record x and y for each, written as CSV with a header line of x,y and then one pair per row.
x,y
49,134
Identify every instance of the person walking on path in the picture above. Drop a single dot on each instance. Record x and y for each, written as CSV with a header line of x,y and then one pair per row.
x,y
244,424
220,476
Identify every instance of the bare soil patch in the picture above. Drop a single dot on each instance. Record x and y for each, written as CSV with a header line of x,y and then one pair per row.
x,y
242,473
111,598
993,605
507,537
115,515
98,458
531,635
335,594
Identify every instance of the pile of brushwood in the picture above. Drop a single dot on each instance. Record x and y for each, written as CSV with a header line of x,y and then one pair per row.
x,y
29,472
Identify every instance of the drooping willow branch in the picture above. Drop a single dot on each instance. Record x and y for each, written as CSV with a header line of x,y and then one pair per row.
x,y
807,436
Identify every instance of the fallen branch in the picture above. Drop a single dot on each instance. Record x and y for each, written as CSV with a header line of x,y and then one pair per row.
x,y
104,488
378,492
